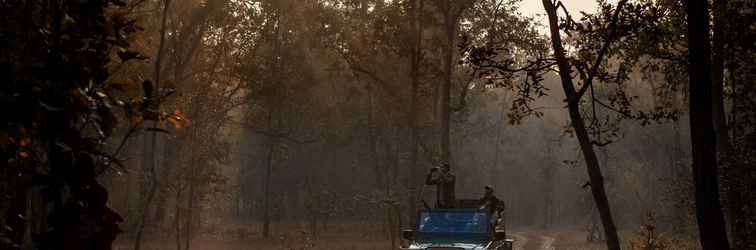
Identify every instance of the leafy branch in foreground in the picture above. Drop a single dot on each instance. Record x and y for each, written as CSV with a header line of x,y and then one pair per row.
x,y
60,109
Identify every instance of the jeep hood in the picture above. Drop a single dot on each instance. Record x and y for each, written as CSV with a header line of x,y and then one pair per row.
x,y
448,246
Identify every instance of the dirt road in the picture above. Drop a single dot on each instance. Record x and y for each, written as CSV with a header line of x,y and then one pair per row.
x,y
533,241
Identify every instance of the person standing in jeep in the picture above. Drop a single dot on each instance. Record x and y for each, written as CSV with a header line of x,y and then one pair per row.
x,y
490,202
444,181
493,205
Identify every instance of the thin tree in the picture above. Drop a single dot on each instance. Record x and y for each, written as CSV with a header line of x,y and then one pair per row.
x,y
150,156
416,29
578,123
451,11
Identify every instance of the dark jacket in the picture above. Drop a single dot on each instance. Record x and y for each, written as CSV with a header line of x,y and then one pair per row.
x,y
491,203
444,188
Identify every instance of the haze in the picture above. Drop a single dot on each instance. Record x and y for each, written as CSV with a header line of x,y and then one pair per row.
x,y
377,124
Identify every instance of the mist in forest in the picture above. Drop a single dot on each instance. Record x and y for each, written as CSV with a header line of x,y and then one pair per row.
x,y
341,124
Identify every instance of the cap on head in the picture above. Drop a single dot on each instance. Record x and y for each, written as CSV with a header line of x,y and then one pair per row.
x,y
489,188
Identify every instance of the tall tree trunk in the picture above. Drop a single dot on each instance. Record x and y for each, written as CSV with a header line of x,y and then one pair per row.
x,y
724,142
151,192
450,30
416,27
266,189
372,140
711,225
586,145
387,194
743,133
497,162
150,160
717,78
177,218
273,100
189,223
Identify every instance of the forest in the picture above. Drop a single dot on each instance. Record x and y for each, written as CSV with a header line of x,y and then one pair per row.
x,y
323,124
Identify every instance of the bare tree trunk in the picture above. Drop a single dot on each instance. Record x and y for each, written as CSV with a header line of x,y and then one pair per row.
x,y
161,198
416,23
372,139
717,78
189,224
177,218
268,174
150,161
594,173
151,192
382,179
586,145
743,133
724,142
272,103
450,30
389,200
711,225
497,162
392,210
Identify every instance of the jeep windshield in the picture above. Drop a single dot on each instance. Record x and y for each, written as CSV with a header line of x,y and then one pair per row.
x,y
459,224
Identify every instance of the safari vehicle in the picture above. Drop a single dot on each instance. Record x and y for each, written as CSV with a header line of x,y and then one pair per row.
x,y
456,229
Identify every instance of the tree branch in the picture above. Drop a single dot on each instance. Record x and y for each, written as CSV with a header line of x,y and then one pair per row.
x,y
463,92
356,68
626,115
602,53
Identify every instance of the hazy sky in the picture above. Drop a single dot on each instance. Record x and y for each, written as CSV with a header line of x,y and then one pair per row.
x,y
534,7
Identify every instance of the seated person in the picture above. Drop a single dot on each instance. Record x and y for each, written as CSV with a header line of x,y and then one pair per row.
x,y
493,205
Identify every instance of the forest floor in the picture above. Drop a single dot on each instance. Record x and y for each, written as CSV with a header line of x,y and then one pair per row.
x,y
552,240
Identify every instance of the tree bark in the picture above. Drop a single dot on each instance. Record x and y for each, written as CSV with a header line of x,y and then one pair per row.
x,y
717,79
450,30
416,27
268,174
711,225
273,100
724,142
189,223
177,218
586,145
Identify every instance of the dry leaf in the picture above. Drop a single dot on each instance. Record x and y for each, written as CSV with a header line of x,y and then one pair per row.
x,y
178,119
135,119
24,142
124,85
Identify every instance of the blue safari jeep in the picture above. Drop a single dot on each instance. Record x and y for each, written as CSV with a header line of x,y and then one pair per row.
x,y
456,229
